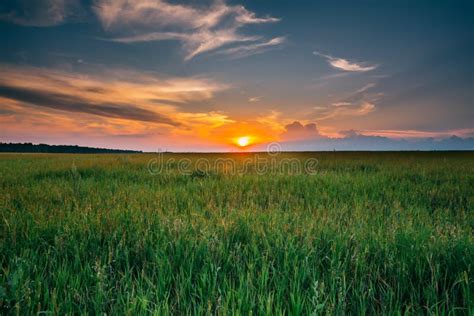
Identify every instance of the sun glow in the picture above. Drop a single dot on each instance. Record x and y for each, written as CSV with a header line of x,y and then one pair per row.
x,y
243,141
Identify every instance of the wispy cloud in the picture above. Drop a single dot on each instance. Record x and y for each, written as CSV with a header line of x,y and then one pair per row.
x,y
365,88
143,13
254,99
253,49
346,65
200,29
341,109
418,134
194,43
358,102
341,104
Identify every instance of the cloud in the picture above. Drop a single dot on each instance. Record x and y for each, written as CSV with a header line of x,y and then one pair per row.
x,y
344,64
341,104
254,99
365,88
362,142
357,103
357,140
69,103
143,13
5,111
194,43
350,133
108,94
200,29
253,49
40,13
298,131
340,109
417,134
92,106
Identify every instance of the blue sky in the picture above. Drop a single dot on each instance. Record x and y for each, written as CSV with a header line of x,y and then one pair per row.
x,y
197,75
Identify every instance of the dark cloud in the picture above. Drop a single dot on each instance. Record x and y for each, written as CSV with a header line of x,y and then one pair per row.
x,y
70,103
39,12
296,130
6,112
96,90
296,126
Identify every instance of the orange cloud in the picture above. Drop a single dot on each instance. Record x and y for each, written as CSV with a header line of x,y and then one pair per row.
x,y
120,104
111,102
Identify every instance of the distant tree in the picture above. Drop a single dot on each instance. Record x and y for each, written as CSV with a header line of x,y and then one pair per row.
x,y
45,148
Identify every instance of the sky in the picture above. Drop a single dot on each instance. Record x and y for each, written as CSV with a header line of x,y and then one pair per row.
x,y
238,75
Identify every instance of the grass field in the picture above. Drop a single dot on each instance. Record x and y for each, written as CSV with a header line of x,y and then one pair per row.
x,y
362,233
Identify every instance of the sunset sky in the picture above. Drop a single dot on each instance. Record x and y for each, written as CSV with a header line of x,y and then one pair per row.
x,y
200,75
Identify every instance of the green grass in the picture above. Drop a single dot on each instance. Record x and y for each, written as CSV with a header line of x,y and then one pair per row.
x,y
385,233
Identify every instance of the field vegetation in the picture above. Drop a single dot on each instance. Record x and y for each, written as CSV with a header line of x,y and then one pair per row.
x,y
362,233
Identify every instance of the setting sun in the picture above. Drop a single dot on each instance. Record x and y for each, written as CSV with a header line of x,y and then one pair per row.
x,y
243,141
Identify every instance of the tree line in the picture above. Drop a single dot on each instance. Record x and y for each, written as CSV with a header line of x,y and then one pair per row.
x,y
45,148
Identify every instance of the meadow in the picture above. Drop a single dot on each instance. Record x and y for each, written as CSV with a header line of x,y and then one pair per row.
x,y
359,233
